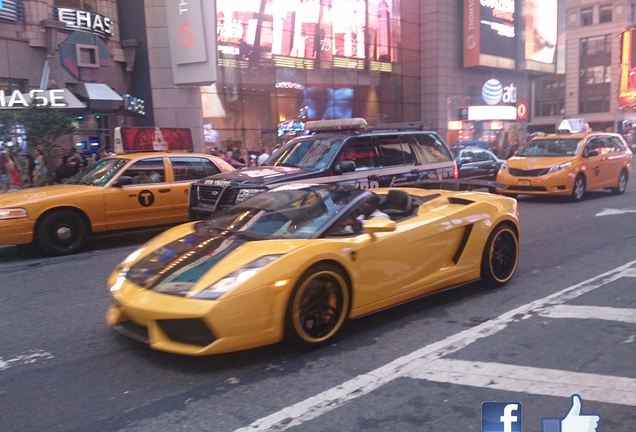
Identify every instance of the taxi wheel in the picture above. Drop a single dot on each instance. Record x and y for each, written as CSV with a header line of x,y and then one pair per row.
x,y
622,184
501,255
61,232
578,190
318,306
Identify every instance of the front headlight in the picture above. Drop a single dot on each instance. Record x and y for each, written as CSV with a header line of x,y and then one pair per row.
x,y
13,213
235,278
560,167
247,193
504,167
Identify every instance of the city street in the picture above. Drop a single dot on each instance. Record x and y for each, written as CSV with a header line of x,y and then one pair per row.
x,y
565,325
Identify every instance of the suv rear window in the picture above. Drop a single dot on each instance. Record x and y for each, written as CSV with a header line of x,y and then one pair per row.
x,y
395,150
432,149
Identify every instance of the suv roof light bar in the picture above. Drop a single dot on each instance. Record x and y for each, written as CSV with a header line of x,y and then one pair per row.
x,y
336,125
400,126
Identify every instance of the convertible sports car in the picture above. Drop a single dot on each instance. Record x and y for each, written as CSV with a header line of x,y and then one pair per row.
x,y
296,262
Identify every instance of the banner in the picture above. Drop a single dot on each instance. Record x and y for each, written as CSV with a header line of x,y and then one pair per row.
x,y
139,139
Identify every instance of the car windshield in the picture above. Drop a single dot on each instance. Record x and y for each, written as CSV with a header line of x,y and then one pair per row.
x,y
550,147
307,152
286,212
100,173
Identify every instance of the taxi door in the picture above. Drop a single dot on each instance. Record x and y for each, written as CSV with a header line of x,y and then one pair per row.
x,y
185,170
592,164
614,155
140,196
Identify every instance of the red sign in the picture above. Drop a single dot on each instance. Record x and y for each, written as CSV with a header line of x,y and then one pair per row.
x,y
134,139
522,111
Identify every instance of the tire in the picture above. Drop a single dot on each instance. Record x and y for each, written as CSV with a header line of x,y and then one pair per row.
x,y
578,190
61,232
321,294
621,186
501,256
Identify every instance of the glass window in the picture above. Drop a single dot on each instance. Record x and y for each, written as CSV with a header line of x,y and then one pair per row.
x,y
307,153
482,156
594,104
360,151
596,45
100,173
550,147
596,75
432,149
147,171
87,5
192,168
395,150
605,13
617,144
587,16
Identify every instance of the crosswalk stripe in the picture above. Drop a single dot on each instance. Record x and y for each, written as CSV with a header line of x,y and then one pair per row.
x,y
591,312
530,380
334,397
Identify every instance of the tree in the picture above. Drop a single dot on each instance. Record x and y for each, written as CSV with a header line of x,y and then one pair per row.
x,y
6,126
43,125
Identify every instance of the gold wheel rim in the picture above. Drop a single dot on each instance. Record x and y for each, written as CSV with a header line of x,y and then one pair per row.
x,y
491,255
301,316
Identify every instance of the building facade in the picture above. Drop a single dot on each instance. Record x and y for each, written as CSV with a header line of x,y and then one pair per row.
x,y
589,88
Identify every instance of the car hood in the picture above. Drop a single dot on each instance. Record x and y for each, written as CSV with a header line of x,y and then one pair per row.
x,y
528,163
261,176
190,258
25,197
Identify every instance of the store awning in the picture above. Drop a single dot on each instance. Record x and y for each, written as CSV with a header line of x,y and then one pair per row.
x,y
62,98
100,97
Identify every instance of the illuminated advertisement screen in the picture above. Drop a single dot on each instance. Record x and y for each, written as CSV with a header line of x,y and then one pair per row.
x,y
342,33
627,78
540,24
136,139
490,35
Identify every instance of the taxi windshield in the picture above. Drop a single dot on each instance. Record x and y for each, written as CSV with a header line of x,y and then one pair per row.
x,y
286,212
307,153
550,147
100,173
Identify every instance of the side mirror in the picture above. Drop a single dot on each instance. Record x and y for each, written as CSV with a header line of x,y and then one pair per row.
x,y
123,181
591,153
378,225
345,166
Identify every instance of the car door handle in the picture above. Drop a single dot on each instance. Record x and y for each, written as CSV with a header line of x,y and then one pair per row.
x,y
163,190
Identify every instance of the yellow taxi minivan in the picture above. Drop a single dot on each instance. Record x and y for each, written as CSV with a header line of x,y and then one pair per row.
x,y
119,192
568,164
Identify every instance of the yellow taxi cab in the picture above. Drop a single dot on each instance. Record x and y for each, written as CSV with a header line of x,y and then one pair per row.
x,y
568,164
119,192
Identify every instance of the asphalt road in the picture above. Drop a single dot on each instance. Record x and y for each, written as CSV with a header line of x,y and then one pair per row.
x,y
424,366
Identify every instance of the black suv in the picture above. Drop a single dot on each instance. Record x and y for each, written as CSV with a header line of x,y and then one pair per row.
x,y
345,152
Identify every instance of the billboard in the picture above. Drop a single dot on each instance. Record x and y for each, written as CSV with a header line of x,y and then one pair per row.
x,y
140,139
490,33
540,34
627,77
341,33
191,29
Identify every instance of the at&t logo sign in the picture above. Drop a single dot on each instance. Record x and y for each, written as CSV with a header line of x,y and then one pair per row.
x,y
493,92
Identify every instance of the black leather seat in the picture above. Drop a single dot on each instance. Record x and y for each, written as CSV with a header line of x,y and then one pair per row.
x,y
398,204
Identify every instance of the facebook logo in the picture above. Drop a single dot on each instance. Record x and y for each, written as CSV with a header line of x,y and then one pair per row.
x,y
501,417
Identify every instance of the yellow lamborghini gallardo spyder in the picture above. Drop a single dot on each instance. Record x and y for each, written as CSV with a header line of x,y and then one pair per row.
x,y
297,261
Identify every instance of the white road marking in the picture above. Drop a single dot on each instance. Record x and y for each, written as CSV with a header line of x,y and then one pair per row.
x,y
614,212
591,312
28,357
337,396
530,380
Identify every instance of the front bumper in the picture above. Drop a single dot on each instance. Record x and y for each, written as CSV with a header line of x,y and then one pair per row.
x,y
16,231
559,183
198,327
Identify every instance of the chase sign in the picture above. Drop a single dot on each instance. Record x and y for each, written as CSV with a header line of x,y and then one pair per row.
x,y
85,21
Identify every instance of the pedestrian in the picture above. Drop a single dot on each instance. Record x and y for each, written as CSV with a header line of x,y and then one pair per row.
x,y
5,168
76,160
16,173
253,163
64,170
40,173
263,156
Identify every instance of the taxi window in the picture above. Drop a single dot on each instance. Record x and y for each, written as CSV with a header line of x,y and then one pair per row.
x,y
360,151
147,171
432,149
617,144
192,168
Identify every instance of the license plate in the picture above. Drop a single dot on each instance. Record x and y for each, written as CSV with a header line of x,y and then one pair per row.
x,y
524,182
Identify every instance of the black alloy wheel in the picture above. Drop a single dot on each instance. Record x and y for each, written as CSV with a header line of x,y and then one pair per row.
x,y
318,306
501,255
61,232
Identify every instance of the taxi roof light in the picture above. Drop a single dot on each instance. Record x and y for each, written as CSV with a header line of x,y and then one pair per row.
x,y
573,125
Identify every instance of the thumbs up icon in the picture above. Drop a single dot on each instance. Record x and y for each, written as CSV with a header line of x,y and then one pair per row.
x,y
573,421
